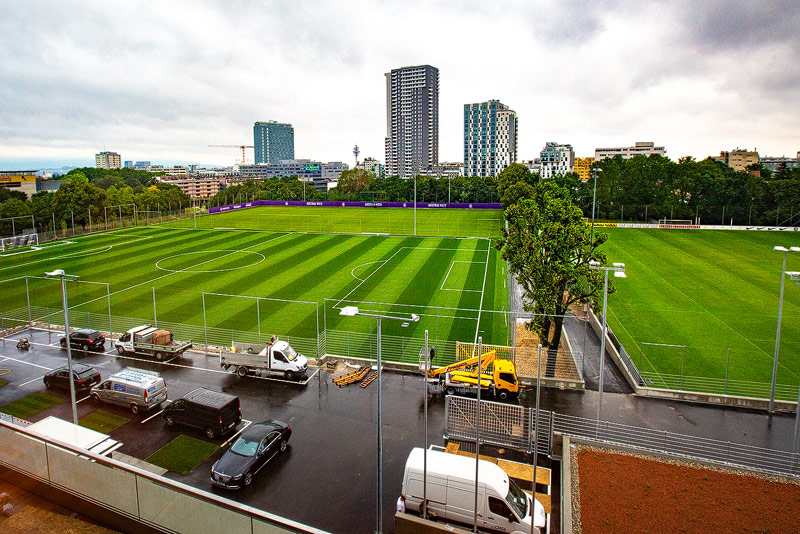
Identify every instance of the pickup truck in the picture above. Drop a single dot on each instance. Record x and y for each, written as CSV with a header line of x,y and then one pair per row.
x,y
147,340
275,358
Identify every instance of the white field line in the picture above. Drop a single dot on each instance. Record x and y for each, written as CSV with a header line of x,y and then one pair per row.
x,y
363,264
448,274
483,290
368,277
79,254
176,272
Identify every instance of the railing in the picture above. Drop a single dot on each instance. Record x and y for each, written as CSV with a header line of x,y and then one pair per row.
x,y
720,386
153,500
681,445
401,349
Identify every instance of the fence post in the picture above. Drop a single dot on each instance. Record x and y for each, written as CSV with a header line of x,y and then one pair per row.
x,y
28,297
727,366
683,364
665,442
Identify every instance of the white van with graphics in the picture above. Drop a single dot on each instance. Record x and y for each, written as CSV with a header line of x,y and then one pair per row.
x,y
502,505
136,389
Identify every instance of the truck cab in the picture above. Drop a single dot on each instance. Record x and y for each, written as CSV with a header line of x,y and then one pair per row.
x,y
277,358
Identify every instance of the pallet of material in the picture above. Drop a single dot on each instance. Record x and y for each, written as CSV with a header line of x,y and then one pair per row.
x,y
367,381
349,378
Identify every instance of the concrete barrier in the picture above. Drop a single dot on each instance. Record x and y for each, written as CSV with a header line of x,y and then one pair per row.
x,y
566,488
612,351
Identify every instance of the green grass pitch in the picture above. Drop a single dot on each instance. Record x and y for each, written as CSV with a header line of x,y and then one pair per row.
x,y
244,255
709,290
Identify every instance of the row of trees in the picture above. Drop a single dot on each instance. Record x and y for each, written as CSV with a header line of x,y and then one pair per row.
x,y
80,199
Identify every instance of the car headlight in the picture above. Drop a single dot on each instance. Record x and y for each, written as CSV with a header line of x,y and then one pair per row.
x,y
237,477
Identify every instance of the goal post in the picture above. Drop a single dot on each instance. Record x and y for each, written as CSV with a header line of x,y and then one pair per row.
x,y
8,243
675,221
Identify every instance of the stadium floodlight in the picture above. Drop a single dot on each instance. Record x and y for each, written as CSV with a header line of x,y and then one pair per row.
x,y
59,273
350,311
785,250
619,272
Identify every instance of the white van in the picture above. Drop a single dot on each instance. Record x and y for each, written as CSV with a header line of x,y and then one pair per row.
x,y
136,389
502,505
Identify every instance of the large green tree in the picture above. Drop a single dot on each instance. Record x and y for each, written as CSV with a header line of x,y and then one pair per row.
x,y
547,246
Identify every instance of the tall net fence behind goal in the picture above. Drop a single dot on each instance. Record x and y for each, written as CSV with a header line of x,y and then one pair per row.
x,y
7,243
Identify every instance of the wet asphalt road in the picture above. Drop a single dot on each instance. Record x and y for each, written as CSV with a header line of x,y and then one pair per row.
x,y
327,478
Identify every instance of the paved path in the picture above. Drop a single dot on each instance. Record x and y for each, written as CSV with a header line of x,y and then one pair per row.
x,y
613,380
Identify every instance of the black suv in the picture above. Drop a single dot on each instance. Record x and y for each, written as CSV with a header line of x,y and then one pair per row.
x,y
84,339
86,376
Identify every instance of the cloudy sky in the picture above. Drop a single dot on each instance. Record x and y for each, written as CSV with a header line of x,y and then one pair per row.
x,y
161,80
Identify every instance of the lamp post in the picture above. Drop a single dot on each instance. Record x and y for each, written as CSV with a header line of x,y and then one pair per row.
x,y
350,311
619,272
59,273
415,204
778,334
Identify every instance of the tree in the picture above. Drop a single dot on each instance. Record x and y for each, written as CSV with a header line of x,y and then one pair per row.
x,y
514,173
355,181
515,193
547,246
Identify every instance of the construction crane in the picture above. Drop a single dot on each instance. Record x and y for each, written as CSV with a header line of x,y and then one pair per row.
x,y
233,146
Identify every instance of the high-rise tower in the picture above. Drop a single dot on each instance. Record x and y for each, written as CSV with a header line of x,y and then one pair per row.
x,y
412,120
490,138
273,141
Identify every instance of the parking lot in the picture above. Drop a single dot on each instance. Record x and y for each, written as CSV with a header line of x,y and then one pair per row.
x,y
325,479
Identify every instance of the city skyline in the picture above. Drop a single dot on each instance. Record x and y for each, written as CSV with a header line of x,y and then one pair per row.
x,y
163,83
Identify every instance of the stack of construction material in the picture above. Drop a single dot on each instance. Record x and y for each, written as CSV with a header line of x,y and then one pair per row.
x,y
162,337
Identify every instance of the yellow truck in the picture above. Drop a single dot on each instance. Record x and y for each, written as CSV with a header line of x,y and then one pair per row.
x,y
463,377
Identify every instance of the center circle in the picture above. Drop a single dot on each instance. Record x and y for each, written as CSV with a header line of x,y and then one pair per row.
x,y
258,258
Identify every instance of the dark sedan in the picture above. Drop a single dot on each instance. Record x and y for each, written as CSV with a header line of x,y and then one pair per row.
x,y
86,376
248,454
84,339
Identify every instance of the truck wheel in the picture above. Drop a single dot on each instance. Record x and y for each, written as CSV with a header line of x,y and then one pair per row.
x,y
159,356
120,350
48,384
95,398
210,434
169,420
63,344
241,371
288,375
503,395
450,390
134,408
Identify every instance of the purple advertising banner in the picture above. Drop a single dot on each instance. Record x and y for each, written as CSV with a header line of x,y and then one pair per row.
x,y
345,204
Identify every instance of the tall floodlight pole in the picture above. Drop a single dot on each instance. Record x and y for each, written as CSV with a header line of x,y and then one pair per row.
x,y
59,273
795,276
350,311
415,204
477,437
778,334
619,271
425,450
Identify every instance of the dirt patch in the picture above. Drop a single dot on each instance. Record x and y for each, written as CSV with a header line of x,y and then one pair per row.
x,y
527,356
625,492
31,520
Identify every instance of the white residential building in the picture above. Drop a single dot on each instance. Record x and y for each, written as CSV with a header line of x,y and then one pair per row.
x,y
108,160
490,138
556,159
641,148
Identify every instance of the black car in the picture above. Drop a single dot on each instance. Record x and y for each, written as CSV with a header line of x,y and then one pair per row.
x,y
84,339
86,376
248,454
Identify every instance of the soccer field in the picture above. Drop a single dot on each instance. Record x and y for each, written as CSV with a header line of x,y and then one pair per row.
x,y
301,279
396,221
711,291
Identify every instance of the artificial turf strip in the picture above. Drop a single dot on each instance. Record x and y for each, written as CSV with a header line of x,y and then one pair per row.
x,y
182,454
102,421
30,405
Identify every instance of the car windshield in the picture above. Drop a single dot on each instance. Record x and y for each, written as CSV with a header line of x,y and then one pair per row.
x,y
290,353
517,499
245,447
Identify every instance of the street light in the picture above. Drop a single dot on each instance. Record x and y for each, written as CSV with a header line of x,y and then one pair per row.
x,y
350,311
778,334
619,272
59,273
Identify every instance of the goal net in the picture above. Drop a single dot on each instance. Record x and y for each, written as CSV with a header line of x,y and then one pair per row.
x,y
7,243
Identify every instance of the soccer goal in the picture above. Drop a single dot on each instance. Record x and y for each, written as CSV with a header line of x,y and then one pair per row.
x,y
675,221
7,243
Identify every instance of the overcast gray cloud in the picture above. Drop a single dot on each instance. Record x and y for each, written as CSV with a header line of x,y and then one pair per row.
x,y
160,81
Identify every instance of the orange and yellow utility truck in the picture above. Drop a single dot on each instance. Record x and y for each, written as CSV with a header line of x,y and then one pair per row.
x,y
463,376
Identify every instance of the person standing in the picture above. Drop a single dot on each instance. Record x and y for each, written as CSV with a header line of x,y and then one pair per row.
x,y
401,504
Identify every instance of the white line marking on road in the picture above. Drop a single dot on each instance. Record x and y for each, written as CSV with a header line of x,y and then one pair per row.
x,y
29,381
483,290
29,363
87,397
154,415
